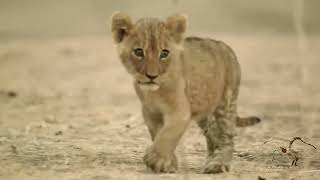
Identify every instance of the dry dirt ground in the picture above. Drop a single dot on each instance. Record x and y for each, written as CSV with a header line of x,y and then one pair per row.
x,y
68,111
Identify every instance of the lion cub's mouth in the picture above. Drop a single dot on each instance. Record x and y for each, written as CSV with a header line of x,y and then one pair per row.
x,y
147,83
150,85
151,82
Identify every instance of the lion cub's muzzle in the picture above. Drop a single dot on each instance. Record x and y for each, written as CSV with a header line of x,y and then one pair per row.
x,y
151,77
149,83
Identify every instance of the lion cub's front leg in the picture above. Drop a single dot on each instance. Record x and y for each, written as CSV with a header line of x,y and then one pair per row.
x,y
153,120
160,155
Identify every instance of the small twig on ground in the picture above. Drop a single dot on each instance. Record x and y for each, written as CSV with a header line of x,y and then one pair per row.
x,y
299,138
291,152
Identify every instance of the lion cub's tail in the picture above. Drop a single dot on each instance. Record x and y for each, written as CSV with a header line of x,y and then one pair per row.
x,y
247,121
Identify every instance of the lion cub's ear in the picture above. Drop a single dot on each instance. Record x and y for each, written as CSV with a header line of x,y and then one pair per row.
x,y
176,25
121,25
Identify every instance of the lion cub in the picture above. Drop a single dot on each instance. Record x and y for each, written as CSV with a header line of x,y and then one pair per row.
x,y
178,79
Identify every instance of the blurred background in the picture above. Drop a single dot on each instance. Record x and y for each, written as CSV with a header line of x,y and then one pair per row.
x,y
68,109
87,17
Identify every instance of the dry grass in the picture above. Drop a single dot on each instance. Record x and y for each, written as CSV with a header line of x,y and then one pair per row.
x,y
75,114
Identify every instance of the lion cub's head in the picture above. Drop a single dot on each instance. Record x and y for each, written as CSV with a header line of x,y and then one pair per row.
x,y
148,47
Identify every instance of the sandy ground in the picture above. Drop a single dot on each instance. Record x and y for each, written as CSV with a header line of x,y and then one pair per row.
x,y
68,111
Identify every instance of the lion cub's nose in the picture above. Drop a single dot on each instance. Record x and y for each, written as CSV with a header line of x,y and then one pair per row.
x,y
151,77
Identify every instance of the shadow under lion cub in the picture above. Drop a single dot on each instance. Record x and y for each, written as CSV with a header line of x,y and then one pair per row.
x,y
177,80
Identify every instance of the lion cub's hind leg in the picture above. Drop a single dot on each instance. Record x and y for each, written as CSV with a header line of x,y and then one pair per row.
x,y
219,129
219,146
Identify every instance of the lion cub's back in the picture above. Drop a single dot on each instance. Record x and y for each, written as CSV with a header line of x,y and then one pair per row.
x,y
209,66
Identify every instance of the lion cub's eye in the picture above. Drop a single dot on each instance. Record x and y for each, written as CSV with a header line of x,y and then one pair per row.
x,y
164,54
138,52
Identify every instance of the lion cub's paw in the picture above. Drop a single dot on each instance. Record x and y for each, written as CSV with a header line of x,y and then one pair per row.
x,y
159,163
218,163
215,168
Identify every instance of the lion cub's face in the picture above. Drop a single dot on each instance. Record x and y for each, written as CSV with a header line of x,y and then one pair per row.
x,y
148,47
